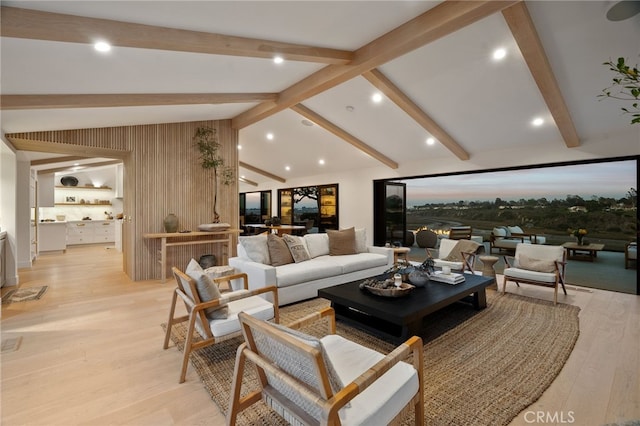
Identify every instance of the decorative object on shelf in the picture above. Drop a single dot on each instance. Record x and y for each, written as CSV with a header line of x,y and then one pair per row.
x,y
213,227
171,223
206,140
69,181
275,221
60,217
267,222
70,199
579,233
207,261
108,215
627,85
386,288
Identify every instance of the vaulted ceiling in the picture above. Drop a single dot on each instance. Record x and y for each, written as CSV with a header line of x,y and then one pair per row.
x,y
431,61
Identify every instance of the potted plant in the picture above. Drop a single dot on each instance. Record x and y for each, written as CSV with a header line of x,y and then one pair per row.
x,y
206,140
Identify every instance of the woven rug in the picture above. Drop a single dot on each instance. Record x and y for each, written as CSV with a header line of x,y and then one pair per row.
x,y
480,367
24,294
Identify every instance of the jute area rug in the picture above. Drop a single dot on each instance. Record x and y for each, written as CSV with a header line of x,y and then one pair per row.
x,y
480,367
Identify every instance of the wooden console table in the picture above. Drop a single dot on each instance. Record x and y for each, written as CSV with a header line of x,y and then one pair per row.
x,y
188,239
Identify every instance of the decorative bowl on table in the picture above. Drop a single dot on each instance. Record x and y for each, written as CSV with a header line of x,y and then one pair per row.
x,y
386,288
213,227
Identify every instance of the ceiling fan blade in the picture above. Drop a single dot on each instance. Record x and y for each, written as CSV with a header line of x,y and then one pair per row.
x,y
623,10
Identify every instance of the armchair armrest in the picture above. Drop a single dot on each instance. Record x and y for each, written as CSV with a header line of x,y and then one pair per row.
x,y
509,261
327,313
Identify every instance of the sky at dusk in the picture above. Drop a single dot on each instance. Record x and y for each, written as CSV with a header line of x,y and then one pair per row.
x,y
612,179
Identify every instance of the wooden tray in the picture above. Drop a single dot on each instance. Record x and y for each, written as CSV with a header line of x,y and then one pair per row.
x,y
403,290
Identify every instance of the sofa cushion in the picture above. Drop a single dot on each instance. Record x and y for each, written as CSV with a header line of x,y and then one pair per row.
x,y
357,262
296,273
342,242
255,306
297,248
515,230
317,244
499,232
256,248
278,251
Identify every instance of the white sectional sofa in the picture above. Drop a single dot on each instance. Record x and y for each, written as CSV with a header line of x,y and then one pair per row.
x,y
302,280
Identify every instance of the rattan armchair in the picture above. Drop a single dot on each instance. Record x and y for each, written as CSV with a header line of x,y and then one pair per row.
x,y
203,331
327,381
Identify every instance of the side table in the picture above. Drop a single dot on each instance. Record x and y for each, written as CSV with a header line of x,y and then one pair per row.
x,y
400,252
487,266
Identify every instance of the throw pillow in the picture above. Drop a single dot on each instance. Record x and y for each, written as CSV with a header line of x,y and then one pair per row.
x,y
317,244
208,290
538,265
278,251
361,240
256,248
466,246
342,242
296,247
194,270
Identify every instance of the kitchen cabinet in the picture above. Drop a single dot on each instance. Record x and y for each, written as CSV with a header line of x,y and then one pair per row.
x,y
90,232
46,195
52,236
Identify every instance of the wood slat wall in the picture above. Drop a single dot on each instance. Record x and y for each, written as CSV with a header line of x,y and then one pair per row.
x,y
162,175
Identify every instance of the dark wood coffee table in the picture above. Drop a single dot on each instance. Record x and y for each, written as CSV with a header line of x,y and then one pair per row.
x,y
400,318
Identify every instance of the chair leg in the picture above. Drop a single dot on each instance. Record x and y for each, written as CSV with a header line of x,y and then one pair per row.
x,y
236,403
504,284
170,321
187,347
555,294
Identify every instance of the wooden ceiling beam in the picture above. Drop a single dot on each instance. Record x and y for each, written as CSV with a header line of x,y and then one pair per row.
x,y
38,25
329,126
247,181
75,168
52,160
261,172
435,23
524,31
391,91
13,102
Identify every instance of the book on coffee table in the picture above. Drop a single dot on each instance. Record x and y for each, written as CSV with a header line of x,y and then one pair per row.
x,y
451,278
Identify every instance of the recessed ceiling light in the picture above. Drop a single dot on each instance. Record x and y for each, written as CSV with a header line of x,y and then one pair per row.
x,y
278,59
537,121
307,122
287,168
349,108
377,97
499,54
102,46
270,136
76,164
431,141
321,162
239,147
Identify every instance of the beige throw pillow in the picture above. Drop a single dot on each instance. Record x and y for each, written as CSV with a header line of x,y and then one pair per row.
x,y
297,248
466,246
278,251
208,290
342,242
538,265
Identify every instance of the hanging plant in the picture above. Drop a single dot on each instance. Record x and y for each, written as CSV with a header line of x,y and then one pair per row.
x,y
625,87
206,139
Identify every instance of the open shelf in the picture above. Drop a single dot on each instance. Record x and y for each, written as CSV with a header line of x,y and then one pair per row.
x,y
82,204
104,188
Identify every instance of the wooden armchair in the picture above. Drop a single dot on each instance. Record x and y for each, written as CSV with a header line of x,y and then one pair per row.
x,y
536,264
459,255
460,233
209,329
327,381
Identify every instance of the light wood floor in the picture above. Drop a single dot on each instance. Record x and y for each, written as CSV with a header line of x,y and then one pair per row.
x,y
91,353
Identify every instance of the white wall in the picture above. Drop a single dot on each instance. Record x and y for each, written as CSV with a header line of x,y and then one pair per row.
x,y
8,179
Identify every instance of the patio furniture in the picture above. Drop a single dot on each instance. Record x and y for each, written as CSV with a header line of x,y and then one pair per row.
x,y
630,254
460,233
459,255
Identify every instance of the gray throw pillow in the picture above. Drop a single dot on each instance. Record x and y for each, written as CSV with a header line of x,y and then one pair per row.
x,y
208,290
278,251
342,242
297,248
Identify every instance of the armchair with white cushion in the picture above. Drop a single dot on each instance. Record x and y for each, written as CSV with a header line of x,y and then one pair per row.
x,y
329,380
459,255
536,264
533,238
211,315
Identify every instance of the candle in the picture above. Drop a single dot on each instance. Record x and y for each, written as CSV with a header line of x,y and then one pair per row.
x,y
397,280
